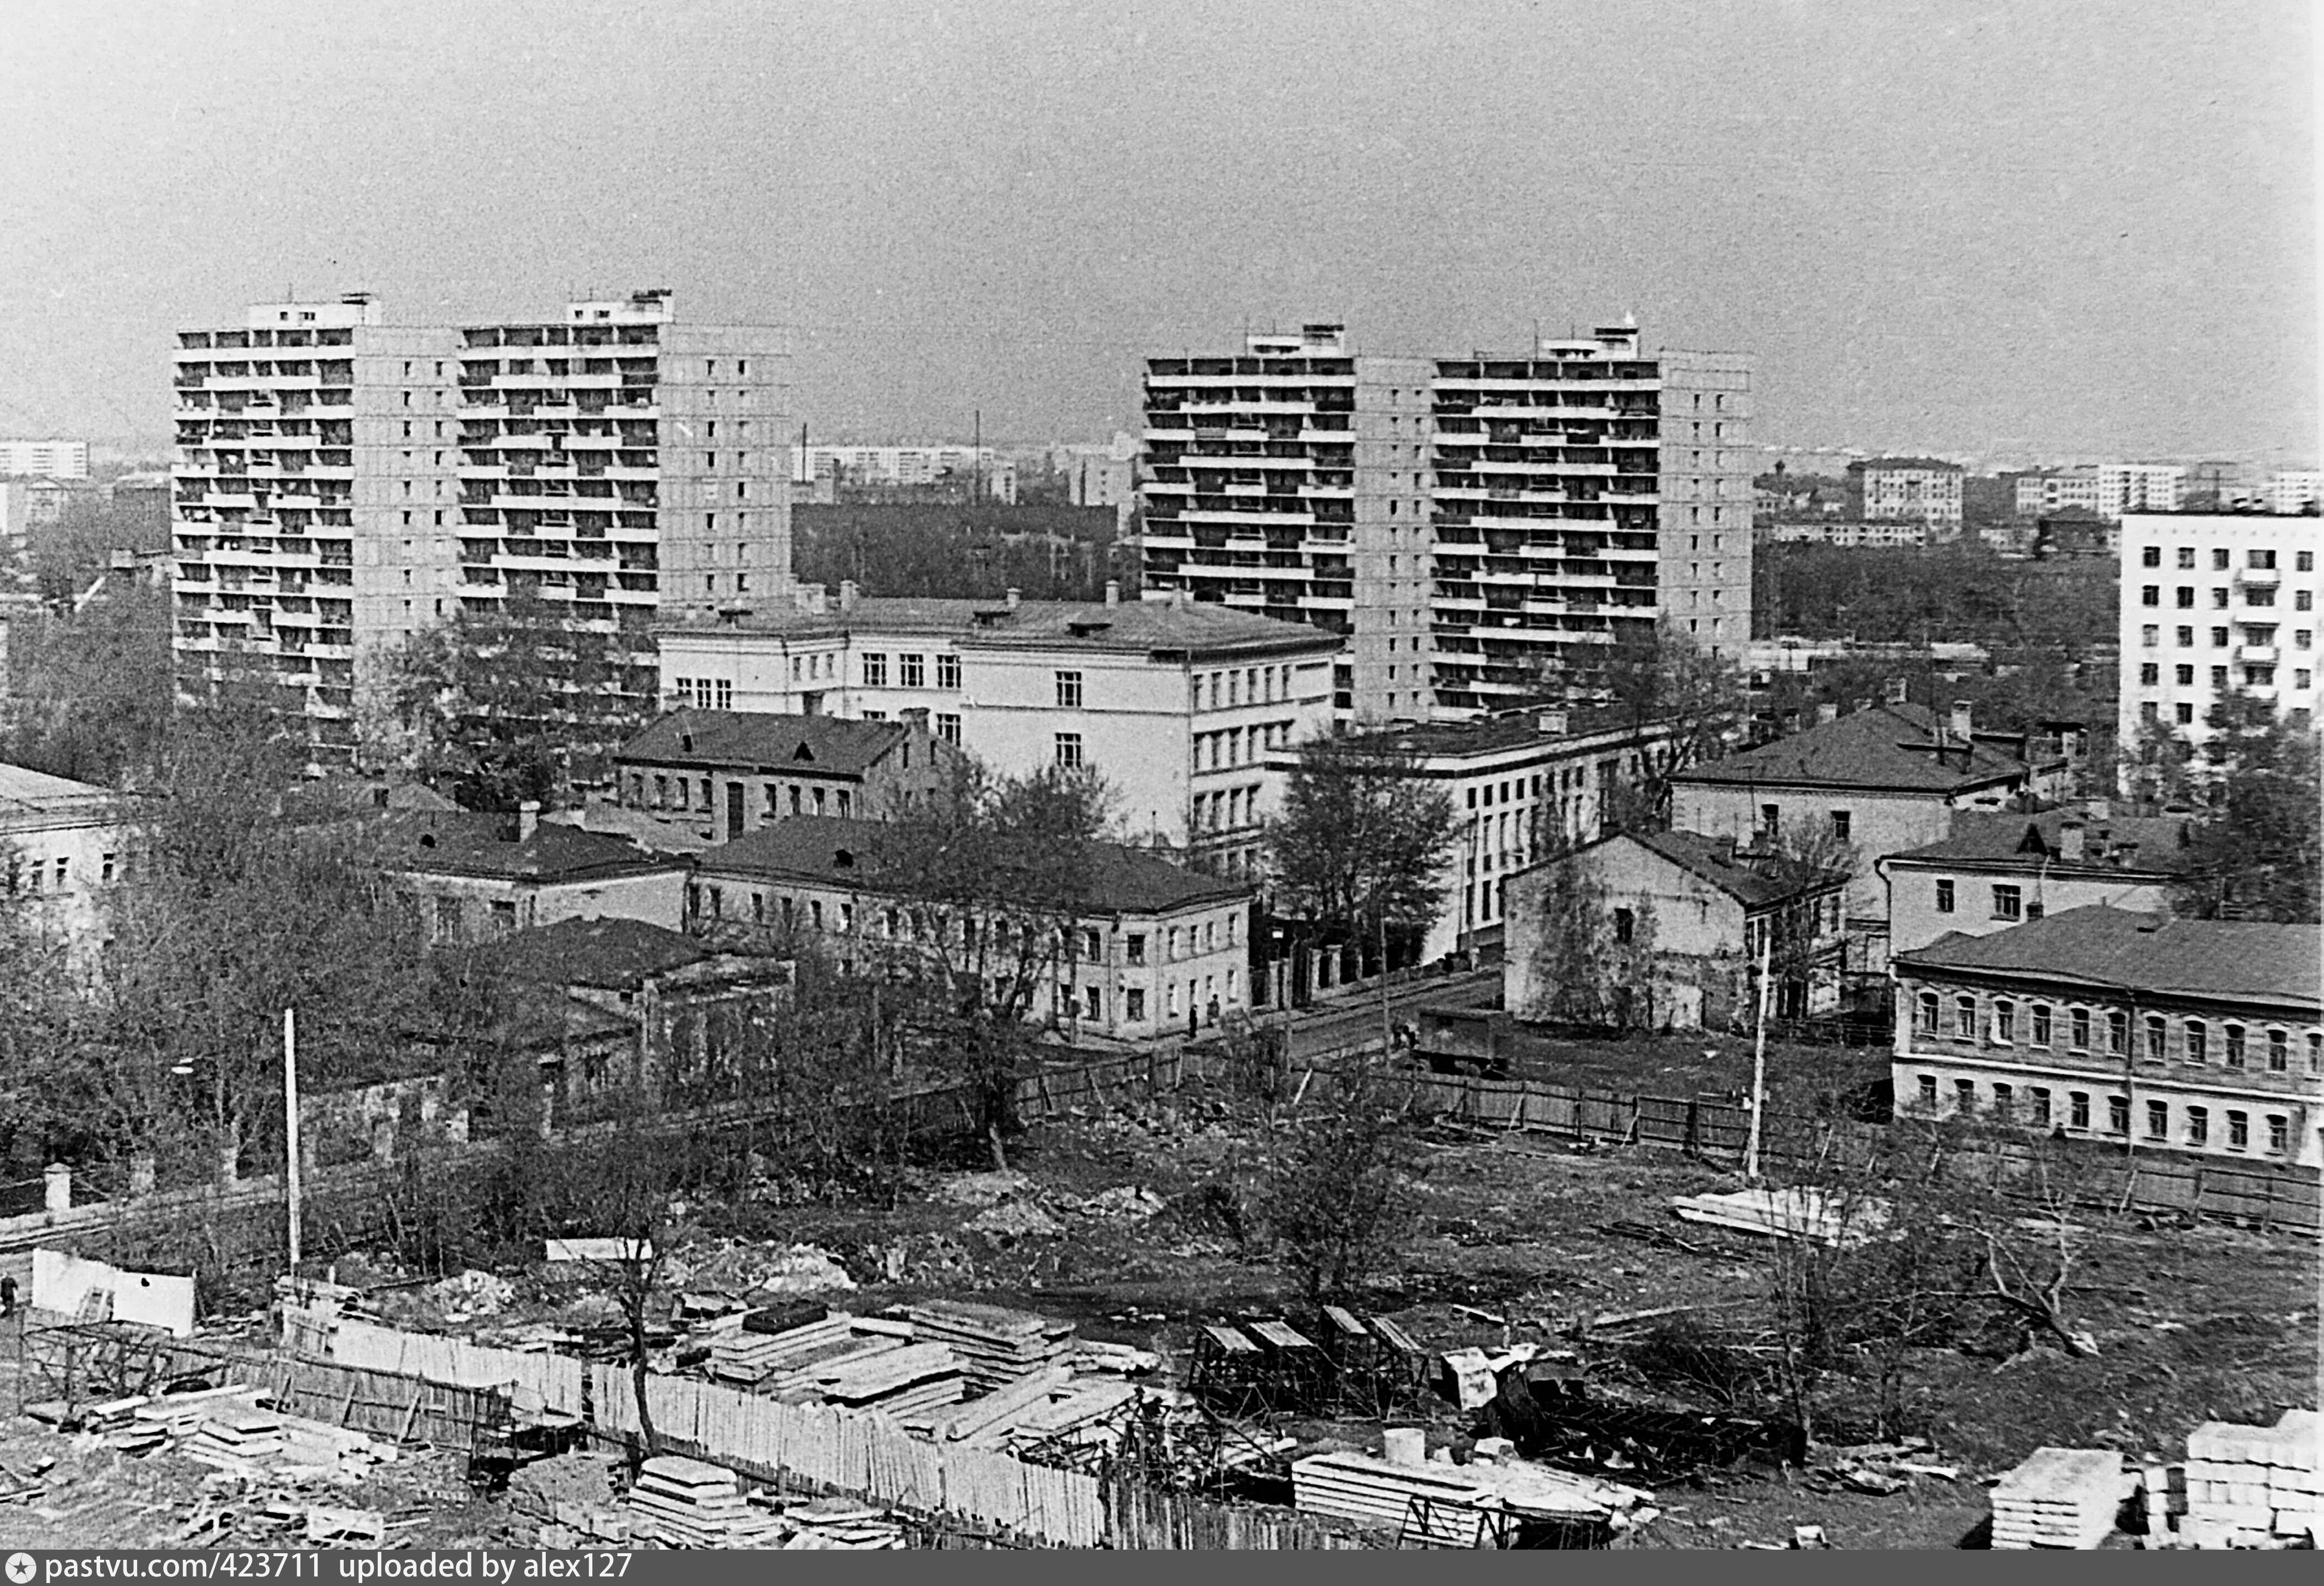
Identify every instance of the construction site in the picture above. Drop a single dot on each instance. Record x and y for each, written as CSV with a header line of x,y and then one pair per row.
x,y
1571,1349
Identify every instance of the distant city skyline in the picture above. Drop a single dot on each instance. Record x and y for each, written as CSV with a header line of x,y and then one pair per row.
x,y
1930,236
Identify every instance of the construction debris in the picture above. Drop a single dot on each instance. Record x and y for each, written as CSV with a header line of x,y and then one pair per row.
x,y
1785,1213
2064,1498
1550,1415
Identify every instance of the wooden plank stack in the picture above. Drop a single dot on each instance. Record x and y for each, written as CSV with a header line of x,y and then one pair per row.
x,y
1374,1493
181,1414
996,1346
2254,1485
240,1438
890,1374
686,1503
843,1523
2066,1497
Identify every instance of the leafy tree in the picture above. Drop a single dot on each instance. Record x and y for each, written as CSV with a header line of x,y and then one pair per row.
x,y
2255,850
516,702
1362,845
1686,703
1587,964
1335,1197
89,691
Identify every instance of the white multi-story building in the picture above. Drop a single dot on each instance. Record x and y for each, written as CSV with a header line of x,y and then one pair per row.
x,y
980,472
1472,524
43,459
1102,476
2214,603
2107,489
1928,489
2295,491
1178,704
61,847
343,483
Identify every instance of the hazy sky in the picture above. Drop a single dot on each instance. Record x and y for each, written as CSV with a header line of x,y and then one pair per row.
x,y
2078,228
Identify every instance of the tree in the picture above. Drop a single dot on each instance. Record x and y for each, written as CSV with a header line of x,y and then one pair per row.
x,y
1591,962
1363,844
2255,850
1681,703
517,702
995,874
89,692
1334,1196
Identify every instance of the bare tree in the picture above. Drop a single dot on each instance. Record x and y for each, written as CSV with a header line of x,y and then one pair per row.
x,y
1682,703
1334,1196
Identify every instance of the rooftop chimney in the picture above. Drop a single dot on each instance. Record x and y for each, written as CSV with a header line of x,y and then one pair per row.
x,y
2097,809
1827,712
848,590
2070,842
528,819
1551,722
1899,690
1960,722
1015,598
1113,592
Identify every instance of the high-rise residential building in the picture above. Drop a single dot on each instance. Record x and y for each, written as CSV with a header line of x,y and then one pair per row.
x,y
2296,489
343,483
43,459
940,469
1481,528
2213,604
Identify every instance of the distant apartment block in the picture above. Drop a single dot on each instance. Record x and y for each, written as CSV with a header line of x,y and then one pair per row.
x,y
343,483
2107,489
2298,491
1887,533
1102,476
1927,490
1479,526
31,504
2214,603
845,473
43,459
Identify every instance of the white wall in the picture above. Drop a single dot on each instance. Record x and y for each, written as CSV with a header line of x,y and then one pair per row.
x,y
1914,920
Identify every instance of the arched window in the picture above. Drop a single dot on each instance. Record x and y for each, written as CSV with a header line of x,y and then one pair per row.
x,y
2005,1021
1927,1022
2199,1041
2233,1055
1965,1019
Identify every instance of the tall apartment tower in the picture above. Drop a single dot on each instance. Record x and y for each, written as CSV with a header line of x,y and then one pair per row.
x,y
343,483
1481,528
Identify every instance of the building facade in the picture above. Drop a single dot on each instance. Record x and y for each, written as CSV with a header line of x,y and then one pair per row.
x,y
2193,1038
342,483
1846,531
61,847
1994,872
2214,603
2107,489
1927,490
720,773
1176,703
2297,490
43,459
477,878
1159,945
1467,522
849,473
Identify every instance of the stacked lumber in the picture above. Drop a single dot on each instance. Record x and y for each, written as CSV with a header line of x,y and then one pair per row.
x,y
1785,1213
181,1414
843,1523
1083,1415
240,1438
116,1423
2060,1497
2254,1486
900,1377
996,1346
686,1503
1374,1493
337,1452
752,1352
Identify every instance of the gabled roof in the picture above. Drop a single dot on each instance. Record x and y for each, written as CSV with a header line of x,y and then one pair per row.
x,y
466,844
1756,881
2124,950
1887,747
1151,627
25,792
2119,844
825,851
620,955
1889,464
764,741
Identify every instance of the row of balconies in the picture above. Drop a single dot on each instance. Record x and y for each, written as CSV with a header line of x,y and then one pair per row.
x,y
315,336
1173,426
476,337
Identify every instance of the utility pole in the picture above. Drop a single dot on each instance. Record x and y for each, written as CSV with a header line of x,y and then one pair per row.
x,y
290,1125
1759,1056
976,458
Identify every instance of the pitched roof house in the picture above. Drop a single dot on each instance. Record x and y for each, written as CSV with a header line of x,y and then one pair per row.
x,y
1997,871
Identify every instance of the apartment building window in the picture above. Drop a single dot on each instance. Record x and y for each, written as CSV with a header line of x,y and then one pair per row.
x,y
1069,749
2199,1041
2117,1115
2158,1039
2198,1126
948,728
2279,1134
1928,1093
2186,638
1965,1019
2158,1120
1771,819
2077,1109
2186,556
2078,1038
1133,949
2149,675
875,670
948,671
447,919
724,689
1944,897
2008,903
1839,824
2279,1051
2315,1053
2005,1022
1069,691
1133,1005
2150,595
2233,1054
2219,559
2038,1100
2118,1033
911,671
2186,675
2238,1130
2186,596
1965,1097
1926,1021
1626,925
2218,639
2151,557
2303,600
2183,714
2303,561
2150,636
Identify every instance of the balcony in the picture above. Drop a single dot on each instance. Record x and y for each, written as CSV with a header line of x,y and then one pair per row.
x,y
2259,577
2265,654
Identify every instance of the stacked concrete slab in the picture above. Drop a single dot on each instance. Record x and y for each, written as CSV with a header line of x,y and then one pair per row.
x,y
2254,1485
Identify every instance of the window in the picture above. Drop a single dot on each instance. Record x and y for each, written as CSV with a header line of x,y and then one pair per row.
x,y
1926,1020
2008,903
2303,561
2303,600
2238,1131
1944,897
948,728
105,874
2183,714
948,671
2005,1022
2186,558
447,919
2150,636
1133,949
2219,559
2158,1120
1069,691
1839,824
2279,1134
1092,1003
1133,1005
911,671
2150,594
2151,557
2186,638
1965,1019
2041,1024
2158,1039
2117,1114
2078,1039
2149,675
2186,597
2279,1051
2234,1052
725,694
1928,1093
1069,749
503,916
1964,1096
2218,639
2199,1042
2198,1126
2038,1100
1771,819
1626,925
2077,1109
2004,1101
2315,1052
875,672
1093,945
2118,1033
2185,675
